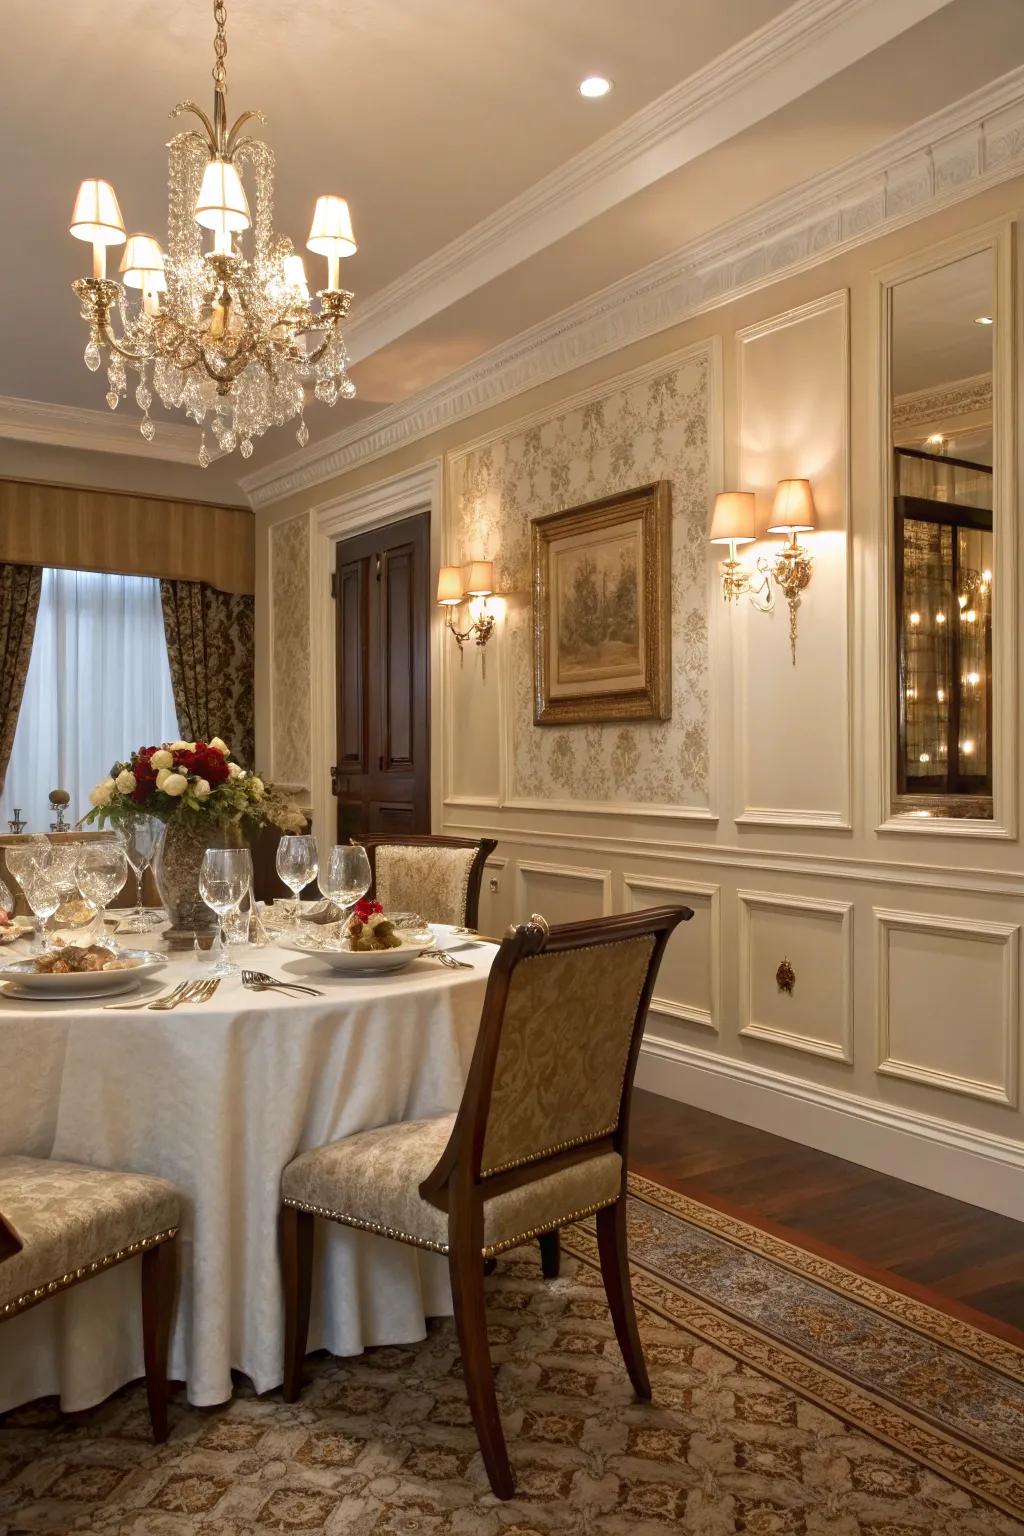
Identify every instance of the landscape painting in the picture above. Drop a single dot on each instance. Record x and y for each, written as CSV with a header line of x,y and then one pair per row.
x,y
601,614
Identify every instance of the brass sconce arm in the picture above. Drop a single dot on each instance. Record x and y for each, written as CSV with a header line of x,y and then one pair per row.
x,y
733,523
791,573
482,627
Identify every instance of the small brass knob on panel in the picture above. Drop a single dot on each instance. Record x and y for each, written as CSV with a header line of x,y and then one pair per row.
x,y
785,977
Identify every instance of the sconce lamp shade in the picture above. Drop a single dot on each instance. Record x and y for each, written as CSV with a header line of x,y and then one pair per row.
x,y
479,579
793,508
733,519
222,204
142,265
97,216
331,231
449,585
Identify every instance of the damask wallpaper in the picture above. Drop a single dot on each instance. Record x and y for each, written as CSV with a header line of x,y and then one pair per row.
x,y
651,427
289,555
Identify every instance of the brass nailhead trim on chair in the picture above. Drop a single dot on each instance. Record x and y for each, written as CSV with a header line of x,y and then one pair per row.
x,y
41,1292
488,1252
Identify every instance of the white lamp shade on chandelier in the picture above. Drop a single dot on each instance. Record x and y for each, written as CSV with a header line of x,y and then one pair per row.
x,y
97,214
142,265
331,231
732,521
793,509
295,276
222,204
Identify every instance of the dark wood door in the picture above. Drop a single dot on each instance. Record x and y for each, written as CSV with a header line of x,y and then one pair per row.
x,y
382,775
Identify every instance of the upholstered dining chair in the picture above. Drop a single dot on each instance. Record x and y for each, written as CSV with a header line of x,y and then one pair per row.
x,y
438,877
540,1141
66,1222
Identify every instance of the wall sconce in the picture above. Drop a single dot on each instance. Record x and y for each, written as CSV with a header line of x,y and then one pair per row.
x,y
472,584
733,523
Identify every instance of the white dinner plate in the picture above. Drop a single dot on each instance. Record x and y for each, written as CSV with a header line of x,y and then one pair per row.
x,y
25,981
448,936
362,962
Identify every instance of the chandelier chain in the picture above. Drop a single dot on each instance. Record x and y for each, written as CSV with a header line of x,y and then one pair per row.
x,y
220,45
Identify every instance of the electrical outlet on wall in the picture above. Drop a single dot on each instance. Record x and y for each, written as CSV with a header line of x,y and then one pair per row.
x,y
492,885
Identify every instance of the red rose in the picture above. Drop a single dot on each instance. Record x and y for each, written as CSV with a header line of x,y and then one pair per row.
x,y
216,770
365,909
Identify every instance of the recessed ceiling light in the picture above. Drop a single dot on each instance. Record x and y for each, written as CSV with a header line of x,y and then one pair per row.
x,y
981,320
595,85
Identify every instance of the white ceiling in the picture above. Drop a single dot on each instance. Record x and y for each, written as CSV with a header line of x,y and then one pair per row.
x,y
486,193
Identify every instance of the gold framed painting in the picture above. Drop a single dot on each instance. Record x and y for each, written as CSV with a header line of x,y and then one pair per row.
x,y
602,635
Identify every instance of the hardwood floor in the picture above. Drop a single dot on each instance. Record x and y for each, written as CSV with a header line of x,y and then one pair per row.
x,y
964,1256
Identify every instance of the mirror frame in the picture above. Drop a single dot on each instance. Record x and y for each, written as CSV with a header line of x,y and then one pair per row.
x,y
895,815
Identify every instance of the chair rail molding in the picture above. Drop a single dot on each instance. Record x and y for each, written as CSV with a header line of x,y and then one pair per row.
x,y
388,501
1007,937
669,1007
1000,237
840,912
967,147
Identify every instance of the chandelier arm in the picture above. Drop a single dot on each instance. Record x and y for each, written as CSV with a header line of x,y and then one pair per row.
x,y
234,142
209,142
142,356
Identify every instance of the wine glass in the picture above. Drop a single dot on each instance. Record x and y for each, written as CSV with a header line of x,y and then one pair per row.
x,y
348,874
141,839
225,876
101,870
297,865
42,894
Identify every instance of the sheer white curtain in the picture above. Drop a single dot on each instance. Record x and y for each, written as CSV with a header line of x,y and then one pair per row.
x,y
98,685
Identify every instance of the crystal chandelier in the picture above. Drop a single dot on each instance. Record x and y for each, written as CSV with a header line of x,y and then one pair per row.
x,y
232,339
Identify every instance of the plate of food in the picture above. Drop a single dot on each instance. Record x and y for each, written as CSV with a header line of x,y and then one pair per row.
x,y
77,970
364,944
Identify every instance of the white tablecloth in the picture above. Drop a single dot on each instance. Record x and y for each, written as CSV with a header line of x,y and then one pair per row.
x,y
219,1098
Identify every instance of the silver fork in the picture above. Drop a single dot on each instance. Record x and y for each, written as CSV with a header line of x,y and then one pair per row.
x,y
259,981
141,1002
192,992
449,960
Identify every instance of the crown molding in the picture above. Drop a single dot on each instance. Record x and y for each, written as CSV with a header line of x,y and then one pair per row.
x,y
68,426
960,397
807,44
973,144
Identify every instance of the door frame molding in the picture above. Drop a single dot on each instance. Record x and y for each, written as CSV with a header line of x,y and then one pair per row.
x,y
376,506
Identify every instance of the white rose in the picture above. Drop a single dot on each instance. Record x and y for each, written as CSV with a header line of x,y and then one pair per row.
x,y
256,788
174,784
200,788
102,792
125,781
234,772
162,777
183,746
220,746
162,759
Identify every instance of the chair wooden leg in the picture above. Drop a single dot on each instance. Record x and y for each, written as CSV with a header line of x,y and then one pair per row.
x,y
159,1270
297,1277
550,1254
471,1325
611,1242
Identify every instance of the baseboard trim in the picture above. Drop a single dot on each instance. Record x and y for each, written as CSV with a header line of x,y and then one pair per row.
x,y
976,1166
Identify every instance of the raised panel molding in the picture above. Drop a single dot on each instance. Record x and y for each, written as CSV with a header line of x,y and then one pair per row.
x,y
526,867
837,912
676,1008
1004,1090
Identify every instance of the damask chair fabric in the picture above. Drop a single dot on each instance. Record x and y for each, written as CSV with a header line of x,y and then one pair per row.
x,y
73,1220
431,881
372,1181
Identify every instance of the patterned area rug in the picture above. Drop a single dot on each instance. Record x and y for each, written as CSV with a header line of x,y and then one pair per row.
x,y
791,1398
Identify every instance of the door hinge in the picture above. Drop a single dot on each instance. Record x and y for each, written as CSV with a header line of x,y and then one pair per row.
x,y
378,567
334,583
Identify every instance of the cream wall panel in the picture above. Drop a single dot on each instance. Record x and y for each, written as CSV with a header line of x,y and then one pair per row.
x,y
793,385
816,937
948,1006
689,982
563,893
473,768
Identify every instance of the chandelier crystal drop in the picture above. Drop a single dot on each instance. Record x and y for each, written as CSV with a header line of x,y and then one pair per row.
x,y
228,335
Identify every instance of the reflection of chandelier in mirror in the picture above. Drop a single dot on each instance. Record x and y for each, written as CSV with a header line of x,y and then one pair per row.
x,y
227,338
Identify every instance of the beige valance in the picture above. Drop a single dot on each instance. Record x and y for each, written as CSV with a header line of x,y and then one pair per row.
x,y
89,530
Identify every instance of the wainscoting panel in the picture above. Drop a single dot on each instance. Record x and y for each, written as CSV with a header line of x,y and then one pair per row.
x,y
815,937
948,1005
563,893
689,982
792,721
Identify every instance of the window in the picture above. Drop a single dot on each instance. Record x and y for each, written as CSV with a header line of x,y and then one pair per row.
x,y
98,685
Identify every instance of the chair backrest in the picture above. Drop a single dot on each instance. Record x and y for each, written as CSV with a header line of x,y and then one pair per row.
x,y
552,1072
438,877
10,1242
125,896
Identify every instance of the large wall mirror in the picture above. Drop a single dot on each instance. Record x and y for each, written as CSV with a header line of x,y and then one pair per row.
x,y
944,326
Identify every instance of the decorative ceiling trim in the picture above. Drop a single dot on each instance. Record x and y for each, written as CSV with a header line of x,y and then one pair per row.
x,y
960,397
969,146
810,42
69,426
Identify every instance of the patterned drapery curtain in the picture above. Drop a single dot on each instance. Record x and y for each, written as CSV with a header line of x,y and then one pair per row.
x,y
20,586
210,647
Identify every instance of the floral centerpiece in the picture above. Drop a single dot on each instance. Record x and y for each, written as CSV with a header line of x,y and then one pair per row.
x,y
206,799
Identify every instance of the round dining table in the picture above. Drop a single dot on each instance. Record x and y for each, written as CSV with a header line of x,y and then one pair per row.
x,y
218,1097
